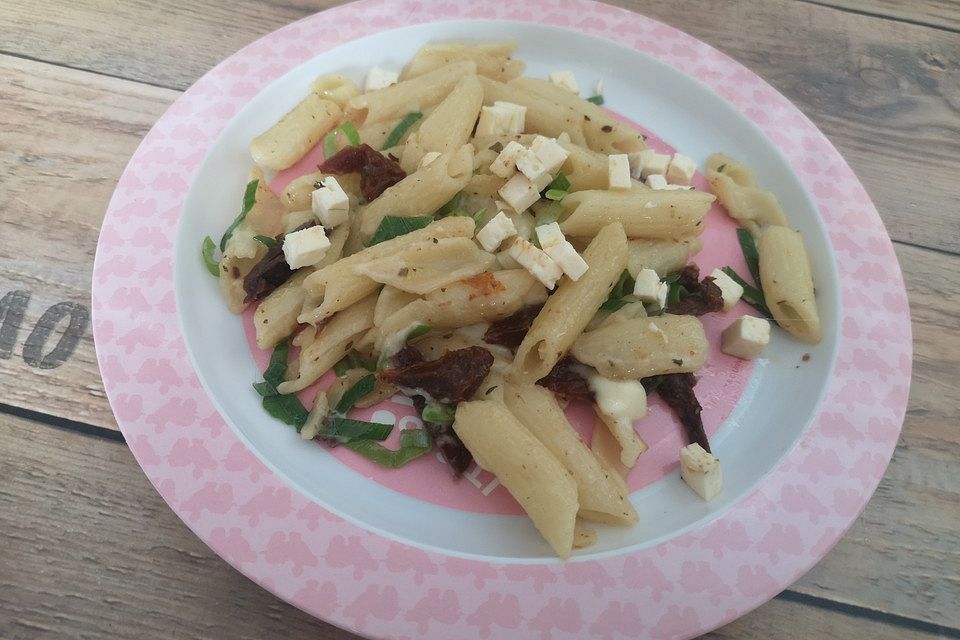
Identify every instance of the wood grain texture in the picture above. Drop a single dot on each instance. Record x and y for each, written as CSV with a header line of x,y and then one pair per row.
x,y
885,92
67,136
91,550
942,14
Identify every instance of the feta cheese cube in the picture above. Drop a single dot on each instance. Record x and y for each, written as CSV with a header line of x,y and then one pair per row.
x,y
330,203
427,158
565,79
730,290
529,165
571,262
378,78
746,337
549,235
537,262
701,471
550,153
306,247
503,118
496,231
519,192
647,285
505,164
656,181
681,169
618,171
654,164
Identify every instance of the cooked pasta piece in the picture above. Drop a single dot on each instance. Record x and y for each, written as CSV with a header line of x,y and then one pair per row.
x,y
644,213
449,127
633,349
600,496
422,267
524,466
336,88
787,282
736,190
569,310
408,96
283,144
492,60
663,256
543,116
607,450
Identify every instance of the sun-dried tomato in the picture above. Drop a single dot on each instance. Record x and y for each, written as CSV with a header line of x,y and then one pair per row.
x,y
451,378
566,379
377,172
510,331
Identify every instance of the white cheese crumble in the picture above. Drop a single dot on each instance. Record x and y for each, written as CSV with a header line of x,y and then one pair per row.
x,y
306,247
746,337
701,471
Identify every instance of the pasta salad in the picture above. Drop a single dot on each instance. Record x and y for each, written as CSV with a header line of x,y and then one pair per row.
x,y
492,245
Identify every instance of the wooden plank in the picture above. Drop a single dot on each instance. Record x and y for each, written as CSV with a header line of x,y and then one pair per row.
x,y
67,136
942,14
92,551
885,92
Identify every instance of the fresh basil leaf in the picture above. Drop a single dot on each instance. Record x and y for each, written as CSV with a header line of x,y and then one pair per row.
x,y
560,183
394,226
277,368
676,293
751,295
621,293
438,412
398,131
354,360
750,254
249,199
597,100
361,388
413,444
344,430
207,250
614,305
266,241
452,205
287,409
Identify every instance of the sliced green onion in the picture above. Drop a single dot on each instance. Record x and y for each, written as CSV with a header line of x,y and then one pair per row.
x,y
398,131
354,360
395,226
277,368
287,409
361,388
452,205
330,144
555,194
750,254
676,293
561,183
206,250
249,199
751,295
350,131
266,241
418,331
438,413
621,293
413,444
344,430
597,99
549,214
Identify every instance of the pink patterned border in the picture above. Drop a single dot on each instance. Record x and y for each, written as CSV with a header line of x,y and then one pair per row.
x,y
380,588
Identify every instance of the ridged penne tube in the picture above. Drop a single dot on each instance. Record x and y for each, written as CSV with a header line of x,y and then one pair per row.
x,y
335,88
607,450
492,60
568,311
389,302
485,184
602,132
484,298
600,496
242,252
276,316
584,168
283,144
583,536
642,347
787,283
332,342
736,190
449,126
663,256
340,285
533,476
375,134
408,96
644,213
421,193
422,267
543,116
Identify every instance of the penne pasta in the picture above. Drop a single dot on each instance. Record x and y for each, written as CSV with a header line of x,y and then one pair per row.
x,y
408,96
492,60
644,213
736,190
643,347
283,144
568,311
335,88
788,283
607,450
449,127
424,266
663,256
542,116
524,466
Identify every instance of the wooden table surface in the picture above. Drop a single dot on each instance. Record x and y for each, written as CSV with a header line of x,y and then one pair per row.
x,y
89,549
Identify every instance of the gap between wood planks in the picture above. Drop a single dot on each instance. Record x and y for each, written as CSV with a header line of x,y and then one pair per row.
x,y
788,595
103,74
882,16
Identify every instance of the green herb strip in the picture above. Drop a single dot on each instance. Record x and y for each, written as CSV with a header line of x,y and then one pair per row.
x,y
438,412
266,241
249,199
354,360
401,129
395,226
344,430
597,99
750,254
413,444
287,409
418,331
361,388
619,294
751,295
207,250
560,183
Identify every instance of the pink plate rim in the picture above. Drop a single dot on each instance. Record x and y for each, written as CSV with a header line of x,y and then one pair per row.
x,y
380,588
